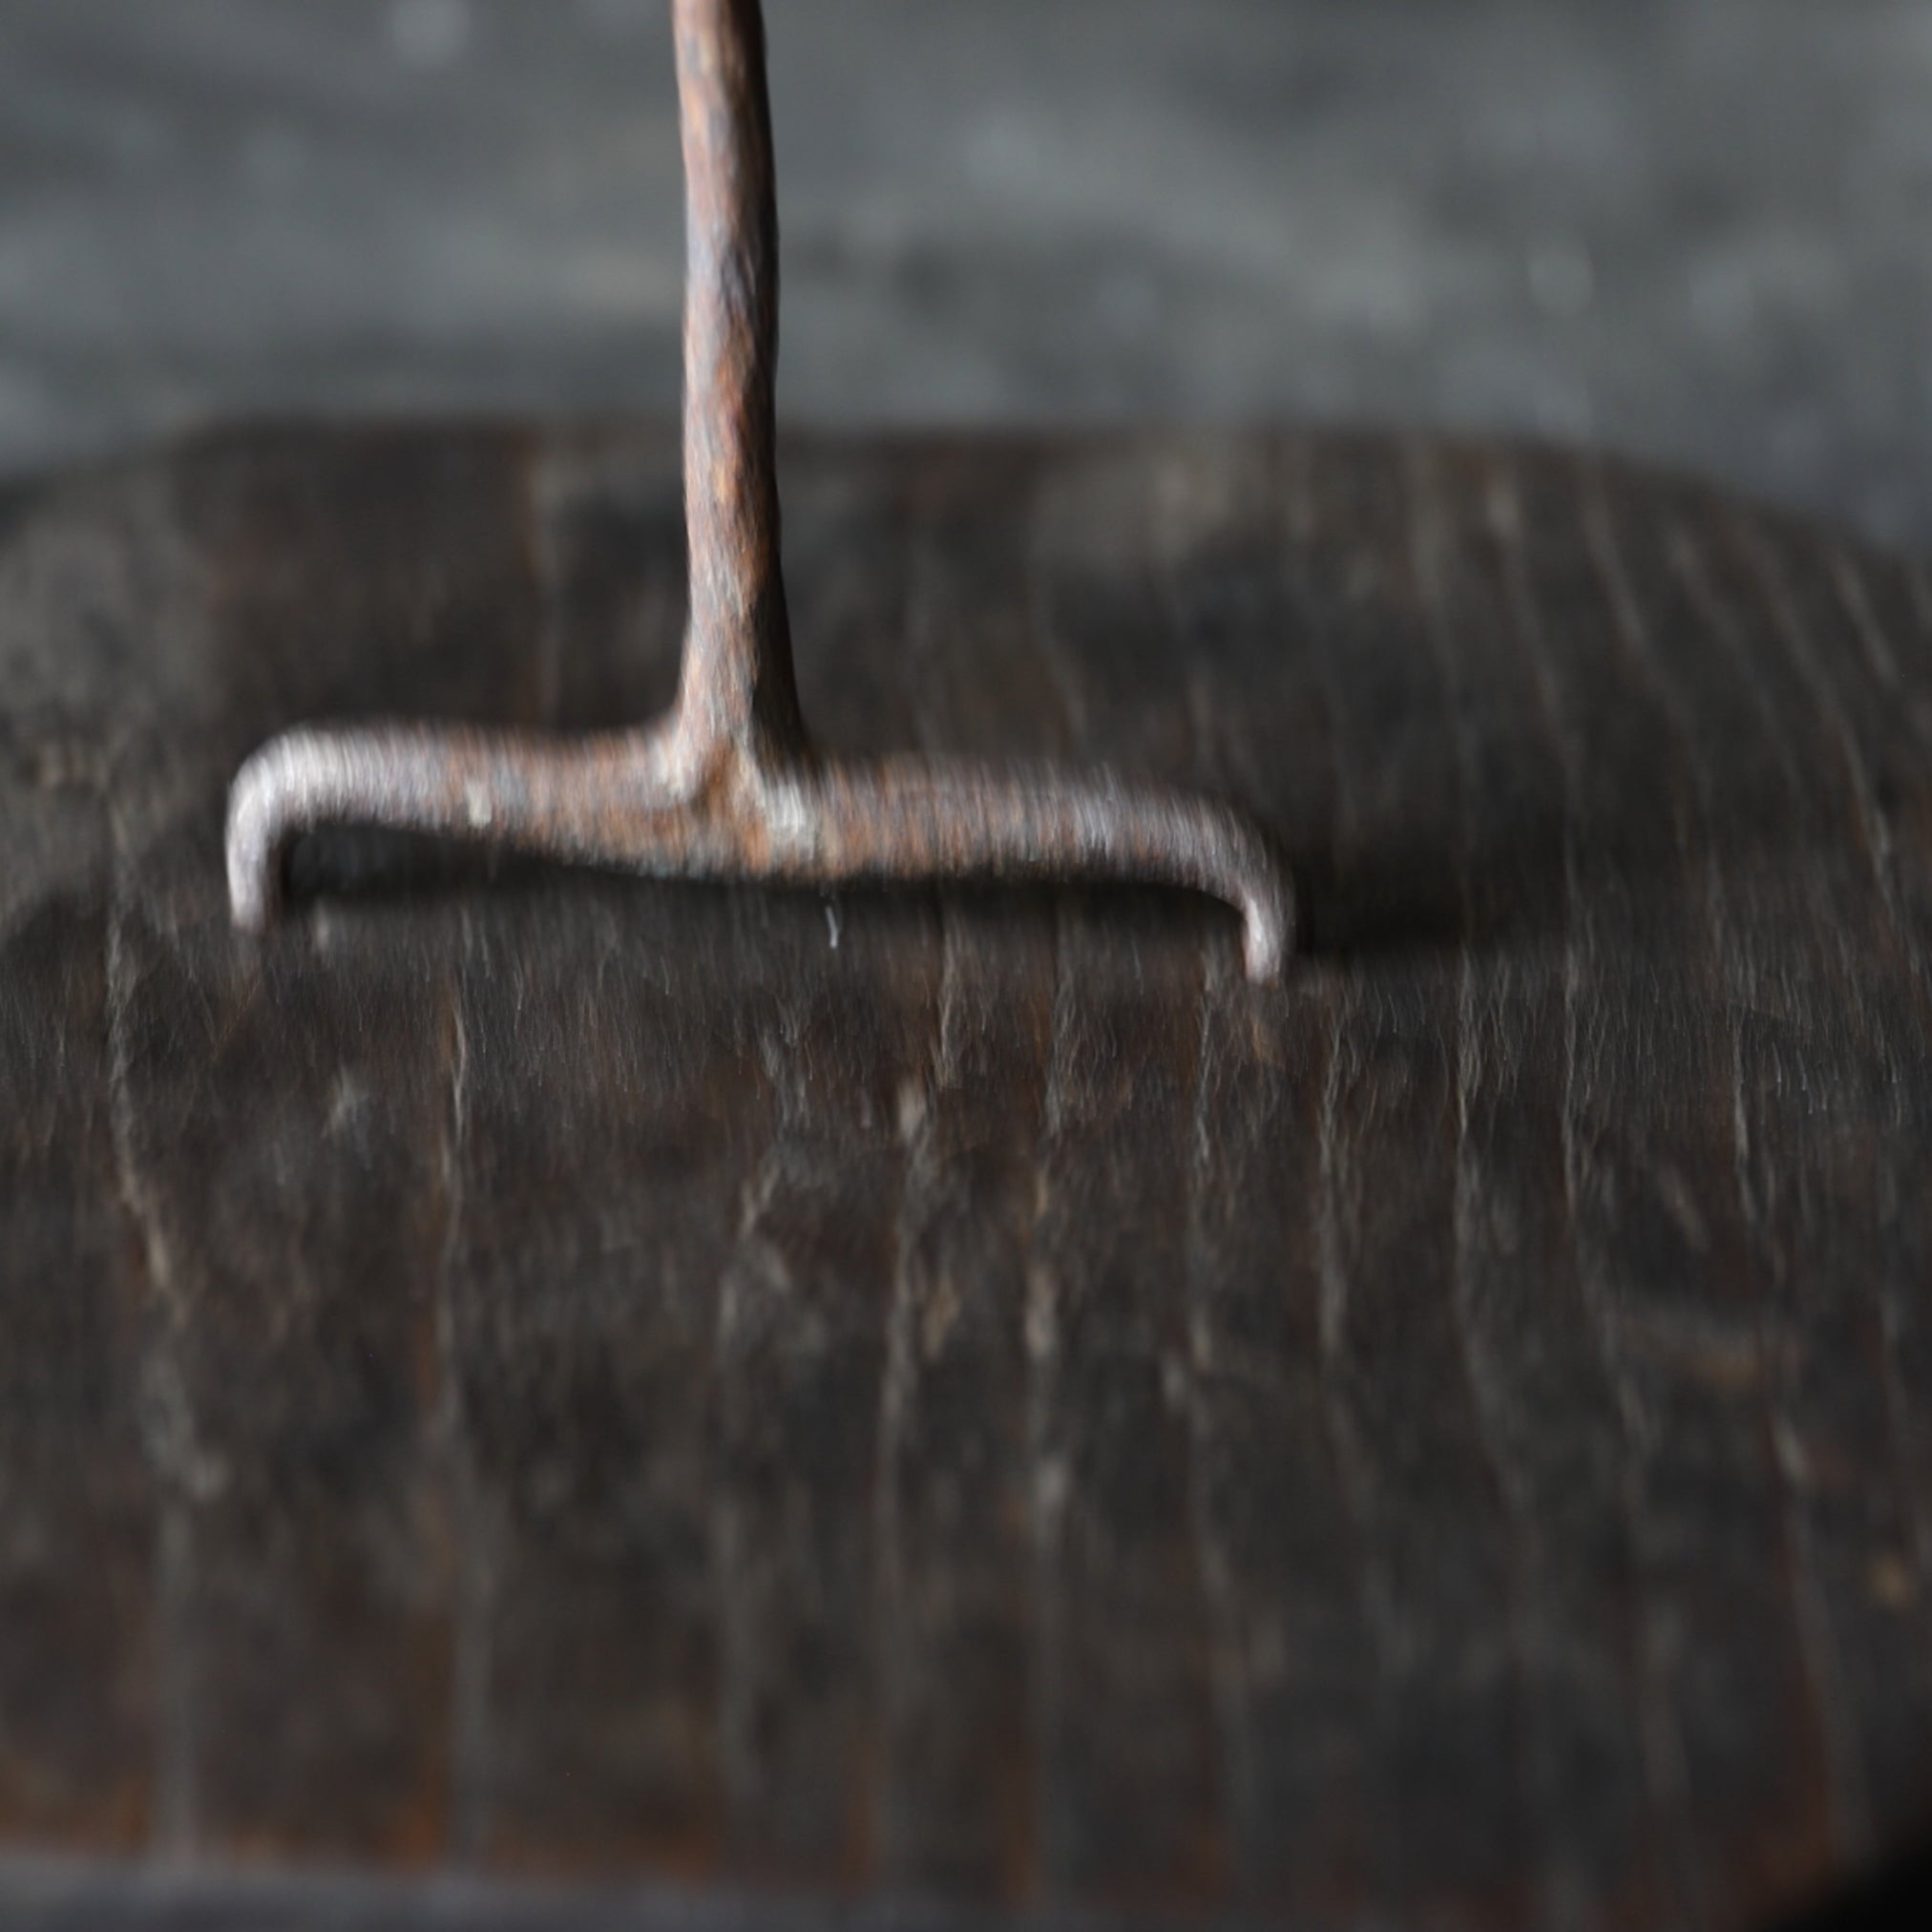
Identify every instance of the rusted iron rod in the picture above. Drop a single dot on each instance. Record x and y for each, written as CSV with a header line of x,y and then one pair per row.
x,y
727,785
737,686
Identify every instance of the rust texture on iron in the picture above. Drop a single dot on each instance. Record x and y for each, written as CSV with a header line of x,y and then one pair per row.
x,y
727,785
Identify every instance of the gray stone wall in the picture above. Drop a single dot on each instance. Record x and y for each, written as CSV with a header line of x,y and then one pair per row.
x,y
1696,229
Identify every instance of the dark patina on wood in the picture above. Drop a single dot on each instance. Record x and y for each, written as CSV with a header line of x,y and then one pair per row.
x,y
960,1394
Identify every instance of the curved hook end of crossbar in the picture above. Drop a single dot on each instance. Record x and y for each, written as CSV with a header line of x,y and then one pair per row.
x,y
575,798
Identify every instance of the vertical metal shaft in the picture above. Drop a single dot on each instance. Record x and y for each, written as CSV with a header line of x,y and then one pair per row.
x,y
737,673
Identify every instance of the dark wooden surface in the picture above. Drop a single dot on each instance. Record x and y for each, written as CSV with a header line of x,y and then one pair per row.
x,y
958,1396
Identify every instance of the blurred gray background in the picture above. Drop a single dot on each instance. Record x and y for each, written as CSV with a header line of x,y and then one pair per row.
x,y
1696,229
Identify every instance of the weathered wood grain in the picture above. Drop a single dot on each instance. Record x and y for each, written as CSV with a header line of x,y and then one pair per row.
x,y
77,1498
955,1396
1536,1365
960,1790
